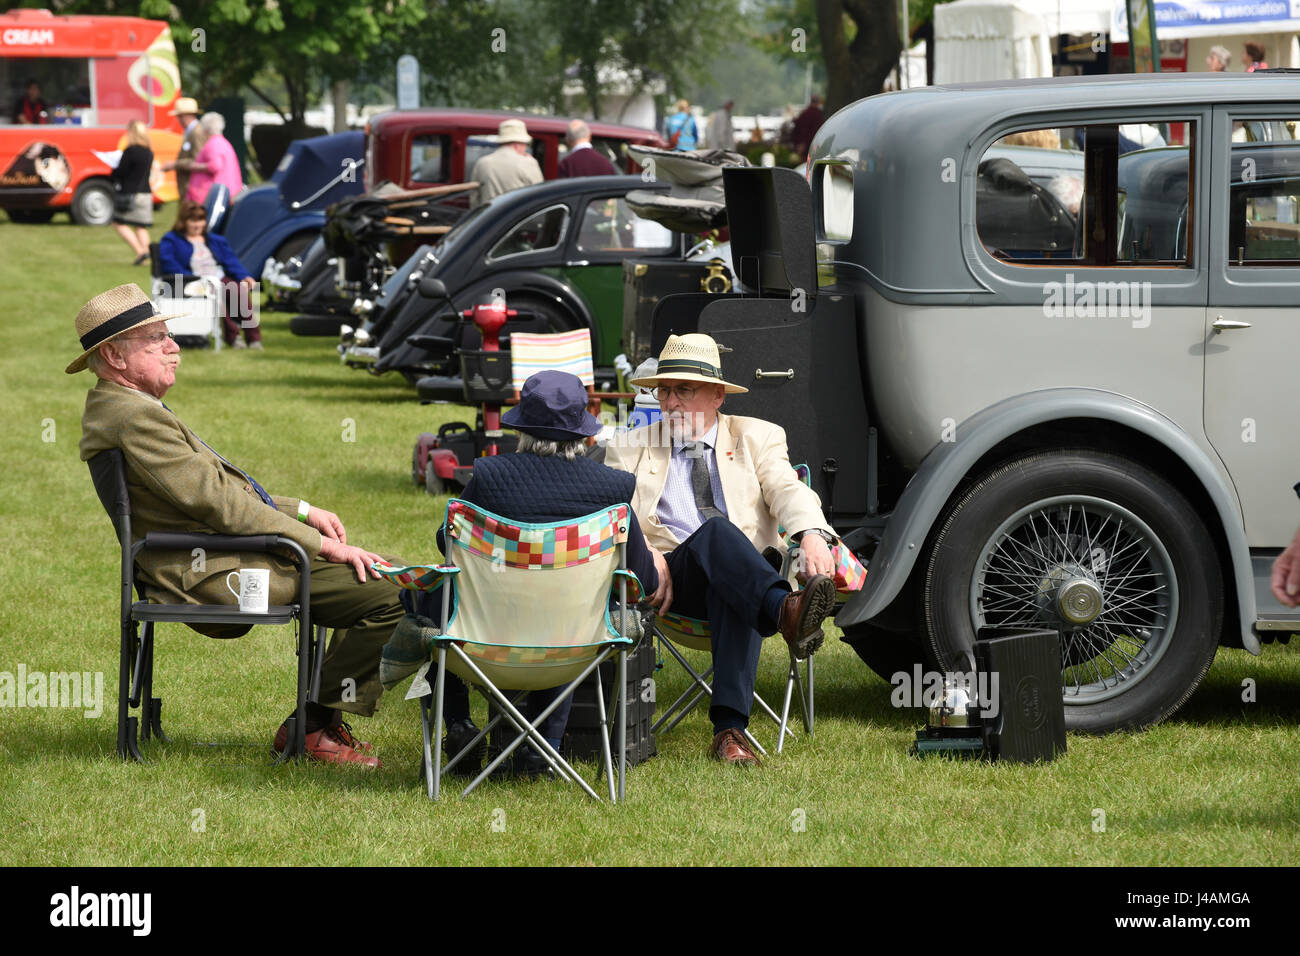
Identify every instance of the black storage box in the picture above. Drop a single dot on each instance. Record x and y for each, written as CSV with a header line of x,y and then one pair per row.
x,y
582,735
645,282
1030,721
486,376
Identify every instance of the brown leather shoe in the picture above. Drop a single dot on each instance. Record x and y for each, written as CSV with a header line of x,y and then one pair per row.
x,y
730,746
343,728
802,614
330,745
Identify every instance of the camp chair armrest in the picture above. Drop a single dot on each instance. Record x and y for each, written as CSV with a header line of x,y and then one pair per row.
x,y
184,541
419,577
635,591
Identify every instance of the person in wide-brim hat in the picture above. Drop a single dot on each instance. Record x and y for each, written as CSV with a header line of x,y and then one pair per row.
x,y
110,315
185,106
692,357
553,406
513,131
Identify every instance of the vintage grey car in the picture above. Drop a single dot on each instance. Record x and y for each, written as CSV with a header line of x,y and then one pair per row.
x,y
1032,407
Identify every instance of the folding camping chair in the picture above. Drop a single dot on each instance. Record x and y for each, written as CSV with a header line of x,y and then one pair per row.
x,y
135,659
527,607
565,351
196,304
675,629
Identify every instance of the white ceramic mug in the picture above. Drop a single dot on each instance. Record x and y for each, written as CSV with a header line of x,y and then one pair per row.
x,y
254,589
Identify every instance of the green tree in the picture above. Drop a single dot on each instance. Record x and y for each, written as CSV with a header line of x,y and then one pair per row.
x,y
859,41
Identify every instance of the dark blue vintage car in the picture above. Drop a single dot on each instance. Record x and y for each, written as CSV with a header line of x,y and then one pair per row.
x,y
281,218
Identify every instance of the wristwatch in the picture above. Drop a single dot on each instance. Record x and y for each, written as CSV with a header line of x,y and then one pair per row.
x,y
824,535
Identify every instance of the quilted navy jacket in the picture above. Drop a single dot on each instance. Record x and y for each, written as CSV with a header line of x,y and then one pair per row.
x,y
533,489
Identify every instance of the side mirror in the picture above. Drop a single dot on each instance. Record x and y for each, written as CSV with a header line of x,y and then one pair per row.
x,y
430,288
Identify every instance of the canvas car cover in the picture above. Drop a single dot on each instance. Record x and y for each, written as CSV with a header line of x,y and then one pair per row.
x,y
697,201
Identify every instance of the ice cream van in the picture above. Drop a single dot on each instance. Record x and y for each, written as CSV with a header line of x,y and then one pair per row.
x,y
68,88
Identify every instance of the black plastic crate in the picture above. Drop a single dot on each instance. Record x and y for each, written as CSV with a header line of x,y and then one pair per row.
x,y
582,735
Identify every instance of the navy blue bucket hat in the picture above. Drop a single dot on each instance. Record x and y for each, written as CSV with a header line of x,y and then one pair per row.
x,y
553,405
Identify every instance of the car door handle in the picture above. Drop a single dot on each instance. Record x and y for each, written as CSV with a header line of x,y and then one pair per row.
x,y
787,374
579,263
1221,324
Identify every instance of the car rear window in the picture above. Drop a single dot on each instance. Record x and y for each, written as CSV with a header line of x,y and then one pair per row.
x,y
539,231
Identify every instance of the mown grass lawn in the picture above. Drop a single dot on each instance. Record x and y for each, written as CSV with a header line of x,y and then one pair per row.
x,y
1214,785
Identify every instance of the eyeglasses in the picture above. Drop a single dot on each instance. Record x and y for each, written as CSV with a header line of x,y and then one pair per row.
x,y
684,393
154,339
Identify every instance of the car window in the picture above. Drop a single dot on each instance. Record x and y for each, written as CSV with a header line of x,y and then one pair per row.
x,y
835,219
1104,194
609,225
428,158
1264,193
541,230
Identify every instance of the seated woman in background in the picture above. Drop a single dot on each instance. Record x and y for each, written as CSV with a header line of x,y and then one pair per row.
x,y
189,252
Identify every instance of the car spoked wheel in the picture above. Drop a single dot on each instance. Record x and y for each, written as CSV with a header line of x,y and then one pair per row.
x,y
1098,548
1093,571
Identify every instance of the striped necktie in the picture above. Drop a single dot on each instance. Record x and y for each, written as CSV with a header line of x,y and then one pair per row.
x,y
701,481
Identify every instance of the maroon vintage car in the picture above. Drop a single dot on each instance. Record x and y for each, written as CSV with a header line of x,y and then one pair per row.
x,y
419,148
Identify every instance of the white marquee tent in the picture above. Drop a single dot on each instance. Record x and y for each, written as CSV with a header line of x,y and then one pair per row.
x,y
1003,39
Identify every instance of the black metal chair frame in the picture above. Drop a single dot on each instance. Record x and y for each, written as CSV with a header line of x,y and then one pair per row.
x,y
135,663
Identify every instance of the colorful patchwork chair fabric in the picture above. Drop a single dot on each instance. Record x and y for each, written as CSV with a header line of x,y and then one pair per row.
x,y
526,607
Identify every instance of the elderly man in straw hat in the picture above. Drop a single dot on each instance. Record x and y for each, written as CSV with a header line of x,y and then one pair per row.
x,y
186,112
711,492
178,483
507,167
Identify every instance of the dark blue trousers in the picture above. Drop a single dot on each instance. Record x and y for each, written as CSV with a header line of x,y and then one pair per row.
x,y
719,577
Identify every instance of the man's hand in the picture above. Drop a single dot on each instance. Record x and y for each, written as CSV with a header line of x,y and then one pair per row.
x,y
328,524
361,560
662,599
815,555
248,282
1286,574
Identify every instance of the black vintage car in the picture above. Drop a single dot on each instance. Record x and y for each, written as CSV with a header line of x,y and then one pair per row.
x,y
555,250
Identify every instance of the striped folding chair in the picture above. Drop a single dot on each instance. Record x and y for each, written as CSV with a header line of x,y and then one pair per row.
x,y
526,607
538,351
566,351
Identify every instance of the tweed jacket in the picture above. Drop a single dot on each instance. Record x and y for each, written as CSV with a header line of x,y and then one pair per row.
x,y
176,483
759,485
503,170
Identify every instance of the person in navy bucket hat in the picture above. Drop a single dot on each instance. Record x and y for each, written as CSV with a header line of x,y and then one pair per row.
x,y
548,479
553,406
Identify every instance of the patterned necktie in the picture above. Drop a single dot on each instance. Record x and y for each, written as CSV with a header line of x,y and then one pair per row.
x,y
261,492
701,483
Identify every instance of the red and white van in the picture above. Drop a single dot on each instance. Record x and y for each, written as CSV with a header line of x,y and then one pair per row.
x,y
95,74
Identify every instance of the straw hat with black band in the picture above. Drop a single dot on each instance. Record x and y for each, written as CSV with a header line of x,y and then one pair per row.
x,y
692,357
110,315
185,106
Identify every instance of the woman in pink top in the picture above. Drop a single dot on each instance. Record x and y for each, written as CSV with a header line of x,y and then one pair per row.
x,y
216,161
